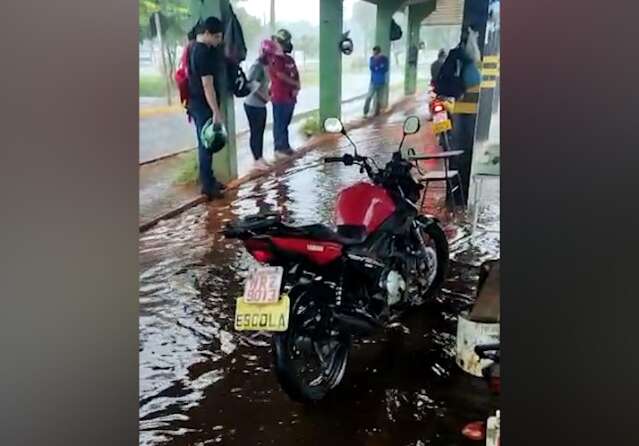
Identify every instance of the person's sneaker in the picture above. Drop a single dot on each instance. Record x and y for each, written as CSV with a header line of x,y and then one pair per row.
x,y
215,194
283,154
260,166
220,186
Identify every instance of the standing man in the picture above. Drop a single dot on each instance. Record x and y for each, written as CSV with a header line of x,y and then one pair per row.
x,y
285,85
378,65
204,99
437,65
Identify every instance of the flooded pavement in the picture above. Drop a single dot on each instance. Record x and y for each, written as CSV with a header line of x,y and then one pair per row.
x,y
203,383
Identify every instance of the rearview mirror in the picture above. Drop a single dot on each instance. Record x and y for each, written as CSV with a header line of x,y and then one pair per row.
x,y
333,125
411,125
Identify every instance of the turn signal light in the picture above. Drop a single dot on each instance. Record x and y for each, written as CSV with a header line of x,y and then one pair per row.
x,y
259,249
262,256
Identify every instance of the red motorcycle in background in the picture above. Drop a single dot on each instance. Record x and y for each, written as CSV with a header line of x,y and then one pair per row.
x,y
323,286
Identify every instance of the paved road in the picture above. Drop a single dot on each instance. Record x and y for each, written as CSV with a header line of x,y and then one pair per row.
x,y
168,133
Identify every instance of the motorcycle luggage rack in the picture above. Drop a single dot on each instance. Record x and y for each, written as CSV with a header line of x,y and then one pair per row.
x,y
447,175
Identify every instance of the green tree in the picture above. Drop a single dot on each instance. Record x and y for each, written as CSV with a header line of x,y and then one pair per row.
x,y
176,15
251,27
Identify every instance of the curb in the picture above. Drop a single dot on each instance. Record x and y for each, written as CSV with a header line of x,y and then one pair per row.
x,y
312,144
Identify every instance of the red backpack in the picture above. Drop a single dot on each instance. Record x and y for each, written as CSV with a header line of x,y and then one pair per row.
x,y
182,75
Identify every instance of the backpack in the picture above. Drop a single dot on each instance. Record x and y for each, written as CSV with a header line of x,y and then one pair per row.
x,y
182,75
395,31
240,86
450,81
235,53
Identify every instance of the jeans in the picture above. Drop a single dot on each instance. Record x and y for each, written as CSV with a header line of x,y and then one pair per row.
x,y
282,115
376,91
205,157
257,121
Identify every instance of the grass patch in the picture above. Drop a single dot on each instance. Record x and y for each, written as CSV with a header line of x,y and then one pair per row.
x,y
187,173
311,125
152,85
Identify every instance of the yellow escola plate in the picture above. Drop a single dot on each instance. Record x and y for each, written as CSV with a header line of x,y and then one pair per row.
x,y
262,317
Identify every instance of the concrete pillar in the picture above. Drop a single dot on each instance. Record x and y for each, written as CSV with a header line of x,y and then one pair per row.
x,y
490,73
416,14
225,161
385,11
465,112
488,106
331,22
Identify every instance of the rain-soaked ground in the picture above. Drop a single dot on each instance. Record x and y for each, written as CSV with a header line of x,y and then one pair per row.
x,y
203,383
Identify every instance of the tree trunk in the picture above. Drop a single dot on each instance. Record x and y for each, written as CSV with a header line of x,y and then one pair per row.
x,y
158,29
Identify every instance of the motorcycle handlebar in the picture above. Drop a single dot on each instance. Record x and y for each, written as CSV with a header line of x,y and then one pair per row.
x,y
347,159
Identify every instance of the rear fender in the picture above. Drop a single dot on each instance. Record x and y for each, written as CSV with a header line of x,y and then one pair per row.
x,y
318,252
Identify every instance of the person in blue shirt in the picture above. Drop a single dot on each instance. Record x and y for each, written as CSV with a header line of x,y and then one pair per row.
x,y
378,65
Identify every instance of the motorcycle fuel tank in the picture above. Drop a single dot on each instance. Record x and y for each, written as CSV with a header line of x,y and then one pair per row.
x,y
363,204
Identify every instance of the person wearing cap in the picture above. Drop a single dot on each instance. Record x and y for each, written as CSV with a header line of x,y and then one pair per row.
x,y
204,98
378,65
437,65
285,85
255,102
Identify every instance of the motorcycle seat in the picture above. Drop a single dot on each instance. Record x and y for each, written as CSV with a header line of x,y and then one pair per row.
x,y
324,233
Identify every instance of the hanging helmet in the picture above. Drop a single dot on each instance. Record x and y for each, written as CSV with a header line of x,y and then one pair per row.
x,y
213,136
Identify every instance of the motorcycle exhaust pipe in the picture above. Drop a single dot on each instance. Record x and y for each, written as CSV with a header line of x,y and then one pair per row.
x,y
356,324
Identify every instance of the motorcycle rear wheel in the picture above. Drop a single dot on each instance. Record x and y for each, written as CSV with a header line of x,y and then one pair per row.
x,y
308,360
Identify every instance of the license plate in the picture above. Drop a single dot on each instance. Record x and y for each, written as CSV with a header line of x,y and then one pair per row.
x,y
441,123
263,285
262,317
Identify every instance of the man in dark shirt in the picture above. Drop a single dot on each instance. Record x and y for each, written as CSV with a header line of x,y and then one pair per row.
x,y
437,65
204,102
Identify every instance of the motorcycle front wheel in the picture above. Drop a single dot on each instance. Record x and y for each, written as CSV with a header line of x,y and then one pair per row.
x,y
310,357
435,245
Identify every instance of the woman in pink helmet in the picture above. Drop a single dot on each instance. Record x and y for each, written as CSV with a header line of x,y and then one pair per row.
x,y
255,102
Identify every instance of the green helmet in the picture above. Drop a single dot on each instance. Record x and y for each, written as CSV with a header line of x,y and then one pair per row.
x,y
213,136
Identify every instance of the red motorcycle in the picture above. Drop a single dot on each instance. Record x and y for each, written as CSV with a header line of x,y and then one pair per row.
x,y
323,286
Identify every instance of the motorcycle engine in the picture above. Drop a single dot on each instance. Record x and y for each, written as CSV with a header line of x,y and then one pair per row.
x,y
394,285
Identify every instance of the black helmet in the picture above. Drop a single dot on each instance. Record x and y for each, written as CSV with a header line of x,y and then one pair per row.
x,y
283,35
